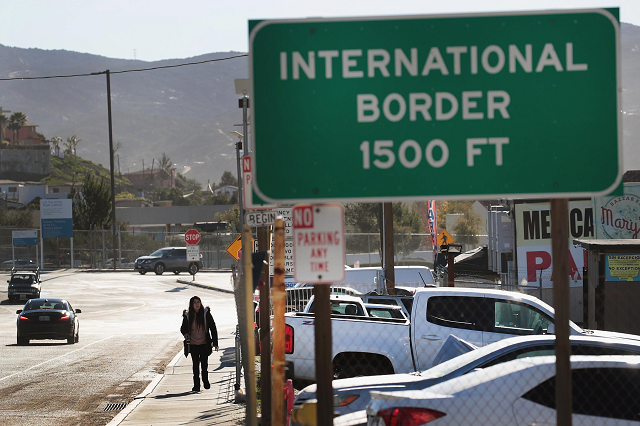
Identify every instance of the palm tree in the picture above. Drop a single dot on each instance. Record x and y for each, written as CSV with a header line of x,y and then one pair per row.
x,y
165,164
16,121
4,121
56,145
72,144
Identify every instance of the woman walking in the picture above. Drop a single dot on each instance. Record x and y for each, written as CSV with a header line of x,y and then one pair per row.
x,y
200,330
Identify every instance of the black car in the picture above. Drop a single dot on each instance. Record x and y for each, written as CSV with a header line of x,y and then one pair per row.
x,y
24,285
48,319
172,259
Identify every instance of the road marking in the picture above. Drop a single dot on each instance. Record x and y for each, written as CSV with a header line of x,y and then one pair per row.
x,y
53,359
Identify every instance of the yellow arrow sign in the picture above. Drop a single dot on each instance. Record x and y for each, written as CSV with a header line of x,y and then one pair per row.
x,y
444,238
235,248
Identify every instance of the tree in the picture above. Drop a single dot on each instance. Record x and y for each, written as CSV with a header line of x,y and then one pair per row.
x,y
56,140
16,218
468,226
217,200
165,164
16,121
232,217
91,206
365,218
4,122
228,179
72,144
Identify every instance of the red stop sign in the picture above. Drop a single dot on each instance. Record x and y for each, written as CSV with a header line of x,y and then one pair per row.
x,y
192,237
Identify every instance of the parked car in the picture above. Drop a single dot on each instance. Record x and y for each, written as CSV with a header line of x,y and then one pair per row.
x,y
172,259
298,297
19,264
47,319
341,304
372,278
520,392
353,394
403,298
24,285
366,346
384,311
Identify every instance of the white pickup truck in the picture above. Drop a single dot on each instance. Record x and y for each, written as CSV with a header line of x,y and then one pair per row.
x,y
369,346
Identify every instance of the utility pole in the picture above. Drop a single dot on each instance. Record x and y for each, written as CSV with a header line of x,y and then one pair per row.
x,y
113,179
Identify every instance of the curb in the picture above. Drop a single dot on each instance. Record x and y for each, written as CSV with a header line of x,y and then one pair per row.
x,y
121,416
207,287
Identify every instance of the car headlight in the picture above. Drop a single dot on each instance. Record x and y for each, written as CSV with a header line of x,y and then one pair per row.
x,y
147,261
344,400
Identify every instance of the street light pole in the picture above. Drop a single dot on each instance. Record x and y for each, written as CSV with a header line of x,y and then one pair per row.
x,y
239,171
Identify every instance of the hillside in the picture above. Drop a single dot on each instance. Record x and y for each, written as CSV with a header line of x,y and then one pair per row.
x,y
70,169
186,112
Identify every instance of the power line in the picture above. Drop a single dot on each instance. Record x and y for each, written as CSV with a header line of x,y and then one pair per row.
x,y
125,71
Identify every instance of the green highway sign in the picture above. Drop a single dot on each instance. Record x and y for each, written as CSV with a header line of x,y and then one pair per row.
x,y
451,106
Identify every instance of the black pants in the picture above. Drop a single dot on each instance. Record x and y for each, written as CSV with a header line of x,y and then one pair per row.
x,y
200,358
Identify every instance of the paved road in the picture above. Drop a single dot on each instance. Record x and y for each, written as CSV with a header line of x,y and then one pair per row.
x,y
129,330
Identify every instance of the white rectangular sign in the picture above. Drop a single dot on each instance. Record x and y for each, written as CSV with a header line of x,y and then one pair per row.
x,y
56,209
193,253
318,243
288,258
262,218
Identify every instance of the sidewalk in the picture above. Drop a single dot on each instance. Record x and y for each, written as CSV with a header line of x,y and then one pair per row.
x,y
168,400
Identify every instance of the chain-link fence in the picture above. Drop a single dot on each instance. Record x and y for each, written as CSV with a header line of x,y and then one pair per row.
x,y
486,344
94,249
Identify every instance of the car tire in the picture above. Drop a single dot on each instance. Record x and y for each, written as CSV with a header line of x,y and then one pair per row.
x,y
22,341
142,272
77,338
193,269
159,270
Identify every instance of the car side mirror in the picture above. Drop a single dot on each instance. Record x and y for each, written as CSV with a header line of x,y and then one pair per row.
x,y
78,311
19,311
551,329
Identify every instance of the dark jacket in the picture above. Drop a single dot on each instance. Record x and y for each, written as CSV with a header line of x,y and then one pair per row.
x,y
210,329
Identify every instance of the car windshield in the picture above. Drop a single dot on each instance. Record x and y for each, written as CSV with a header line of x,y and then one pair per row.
x,y
160,253
21,279
46,304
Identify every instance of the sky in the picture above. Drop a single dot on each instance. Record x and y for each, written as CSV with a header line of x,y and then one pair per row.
x,y
167,29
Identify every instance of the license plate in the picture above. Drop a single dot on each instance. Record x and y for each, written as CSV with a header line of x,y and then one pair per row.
x,y
23,296
44,318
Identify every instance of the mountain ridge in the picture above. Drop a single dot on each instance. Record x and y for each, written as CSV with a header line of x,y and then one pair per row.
x,y
187,111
